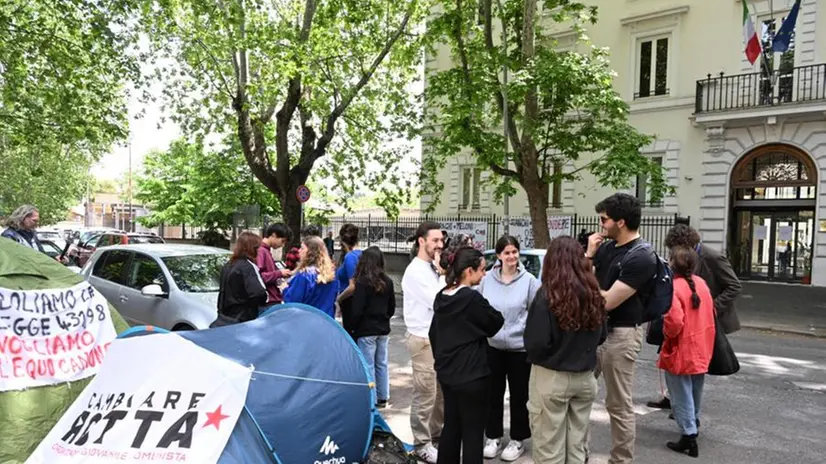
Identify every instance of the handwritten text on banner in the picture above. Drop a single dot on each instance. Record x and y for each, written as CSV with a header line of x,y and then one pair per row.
x,y
52,336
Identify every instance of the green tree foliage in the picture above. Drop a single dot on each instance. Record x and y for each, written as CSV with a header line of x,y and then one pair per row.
x,y
63,67
303,85
564,118
49,179
187,184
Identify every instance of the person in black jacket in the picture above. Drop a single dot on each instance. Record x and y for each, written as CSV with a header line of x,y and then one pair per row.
x,y
368,321
566,323
241,290
463,320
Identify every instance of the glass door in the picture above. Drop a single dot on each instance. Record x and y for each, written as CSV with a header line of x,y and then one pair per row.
x,y
774,245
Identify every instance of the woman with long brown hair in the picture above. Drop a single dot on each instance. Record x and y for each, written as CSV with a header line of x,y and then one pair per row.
x,y
566,323
314,281
241,290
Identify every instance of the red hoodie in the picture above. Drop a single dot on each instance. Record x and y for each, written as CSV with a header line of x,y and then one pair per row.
x,y
269,273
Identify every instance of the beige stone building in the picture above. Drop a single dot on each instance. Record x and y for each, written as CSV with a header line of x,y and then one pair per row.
x,y
744,146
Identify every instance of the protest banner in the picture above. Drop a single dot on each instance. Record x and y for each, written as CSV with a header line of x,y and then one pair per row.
x,y
477,230
52,336
559,225
520,227
157,398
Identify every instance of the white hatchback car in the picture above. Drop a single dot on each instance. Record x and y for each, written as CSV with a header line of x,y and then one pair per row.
x,y
171,286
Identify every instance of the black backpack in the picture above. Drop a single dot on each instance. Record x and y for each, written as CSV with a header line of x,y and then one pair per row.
x,y
661,287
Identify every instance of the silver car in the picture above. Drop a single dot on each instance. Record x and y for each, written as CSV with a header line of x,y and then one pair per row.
x,y
171,286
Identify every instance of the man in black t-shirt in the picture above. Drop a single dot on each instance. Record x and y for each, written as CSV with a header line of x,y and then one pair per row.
x,y
625,274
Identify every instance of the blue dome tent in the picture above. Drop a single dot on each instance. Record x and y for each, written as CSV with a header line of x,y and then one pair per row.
x,y
310,399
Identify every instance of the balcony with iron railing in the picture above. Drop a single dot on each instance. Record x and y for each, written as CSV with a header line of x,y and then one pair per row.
x,y
753,91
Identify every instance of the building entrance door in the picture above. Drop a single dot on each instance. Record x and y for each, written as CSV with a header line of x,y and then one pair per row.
x,y
772,220
775,245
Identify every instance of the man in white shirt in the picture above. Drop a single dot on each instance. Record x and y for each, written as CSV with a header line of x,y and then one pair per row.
x,y
420,285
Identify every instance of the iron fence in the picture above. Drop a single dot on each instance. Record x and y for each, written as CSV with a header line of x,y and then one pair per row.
x,y
391,235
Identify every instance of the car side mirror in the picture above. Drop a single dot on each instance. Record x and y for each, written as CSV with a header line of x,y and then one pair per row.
x,y
153,290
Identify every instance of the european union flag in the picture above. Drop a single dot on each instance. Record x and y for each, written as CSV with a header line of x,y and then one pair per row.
x,y
784,36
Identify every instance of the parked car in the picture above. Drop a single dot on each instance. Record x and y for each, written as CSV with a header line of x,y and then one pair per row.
x,y
138,238
532,259
53,235
81,253
52,248
166,285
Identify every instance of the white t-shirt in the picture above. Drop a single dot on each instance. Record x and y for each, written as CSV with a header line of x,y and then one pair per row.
x,y
420,284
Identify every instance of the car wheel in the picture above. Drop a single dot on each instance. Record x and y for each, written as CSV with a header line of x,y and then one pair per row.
x,y
179,327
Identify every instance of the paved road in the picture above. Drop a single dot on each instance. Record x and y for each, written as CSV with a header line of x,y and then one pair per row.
x,y
772,412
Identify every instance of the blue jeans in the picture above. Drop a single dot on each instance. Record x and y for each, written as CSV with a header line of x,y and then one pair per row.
x,y
686,393
374,349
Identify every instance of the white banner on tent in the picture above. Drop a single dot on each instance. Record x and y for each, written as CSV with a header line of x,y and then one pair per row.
x,y
520,227
52,336
479,231
157,398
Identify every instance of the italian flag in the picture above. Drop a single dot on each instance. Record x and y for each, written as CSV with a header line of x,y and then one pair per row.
x,y
753,47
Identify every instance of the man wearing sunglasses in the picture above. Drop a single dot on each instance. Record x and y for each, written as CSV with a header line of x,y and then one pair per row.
x,y
625,278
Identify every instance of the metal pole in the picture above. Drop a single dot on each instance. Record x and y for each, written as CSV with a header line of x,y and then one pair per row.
x,y
131,217
505,132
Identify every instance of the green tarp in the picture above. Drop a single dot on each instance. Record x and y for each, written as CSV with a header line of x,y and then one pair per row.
x,y
27,416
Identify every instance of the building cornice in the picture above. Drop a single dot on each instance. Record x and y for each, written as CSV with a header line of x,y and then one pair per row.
x,y
677,10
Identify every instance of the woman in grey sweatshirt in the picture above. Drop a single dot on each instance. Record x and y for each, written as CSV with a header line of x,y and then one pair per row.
x,y
510,289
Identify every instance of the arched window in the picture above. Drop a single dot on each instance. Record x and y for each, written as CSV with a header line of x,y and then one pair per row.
x,y
774,172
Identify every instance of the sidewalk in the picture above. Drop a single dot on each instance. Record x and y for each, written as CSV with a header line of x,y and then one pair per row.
x,y
795,309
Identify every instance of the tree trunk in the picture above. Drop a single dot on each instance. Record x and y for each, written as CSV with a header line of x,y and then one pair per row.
x,y
538,206
291,214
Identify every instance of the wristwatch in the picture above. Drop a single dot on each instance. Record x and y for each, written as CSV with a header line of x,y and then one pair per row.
x,y
588,257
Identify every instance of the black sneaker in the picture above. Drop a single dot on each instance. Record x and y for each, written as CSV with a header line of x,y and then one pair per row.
x,y
664,403
381,404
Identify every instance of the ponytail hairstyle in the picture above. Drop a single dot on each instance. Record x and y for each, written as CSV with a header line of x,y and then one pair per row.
x,y
456,261
683,260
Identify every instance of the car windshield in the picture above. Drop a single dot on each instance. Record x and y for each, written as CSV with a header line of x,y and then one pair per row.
x,y
140,239
196,273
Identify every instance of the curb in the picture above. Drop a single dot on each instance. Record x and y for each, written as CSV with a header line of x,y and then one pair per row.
x,y
814,333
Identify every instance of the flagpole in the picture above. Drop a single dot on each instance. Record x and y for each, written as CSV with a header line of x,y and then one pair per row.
x,y
765,60
774,56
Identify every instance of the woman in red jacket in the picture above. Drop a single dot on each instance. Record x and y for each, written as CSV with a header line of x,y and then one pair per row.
x,y
689,342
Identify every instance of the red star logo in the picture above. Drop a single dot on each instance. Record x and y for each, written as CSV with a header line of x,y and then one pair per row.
x,y
215,418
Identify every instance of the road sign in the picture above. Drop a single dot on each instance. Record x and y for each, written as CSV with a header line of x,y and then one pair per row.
x,y
303,194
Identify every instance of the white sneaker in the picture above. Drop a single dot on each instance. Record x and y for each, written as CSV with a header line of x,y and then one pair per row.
x,y
512,452
428,453
491,448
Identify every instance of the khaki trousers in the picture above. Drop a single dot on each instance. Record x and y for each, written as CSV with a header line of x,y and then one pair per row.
x,y
616,362
559,407
427,408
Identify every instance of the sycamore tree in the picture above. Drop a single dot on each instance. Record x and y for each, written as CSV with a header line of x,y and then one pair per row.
x,y
63,67
303,85
563,116
190,184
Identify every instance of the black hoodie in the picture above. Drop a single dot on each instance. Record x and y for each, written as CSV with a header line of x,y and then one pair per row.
x,y
462,324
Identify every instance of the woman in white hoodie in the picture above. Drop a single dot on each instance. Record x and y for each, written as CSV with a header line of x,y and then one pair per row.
x,y
510,289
